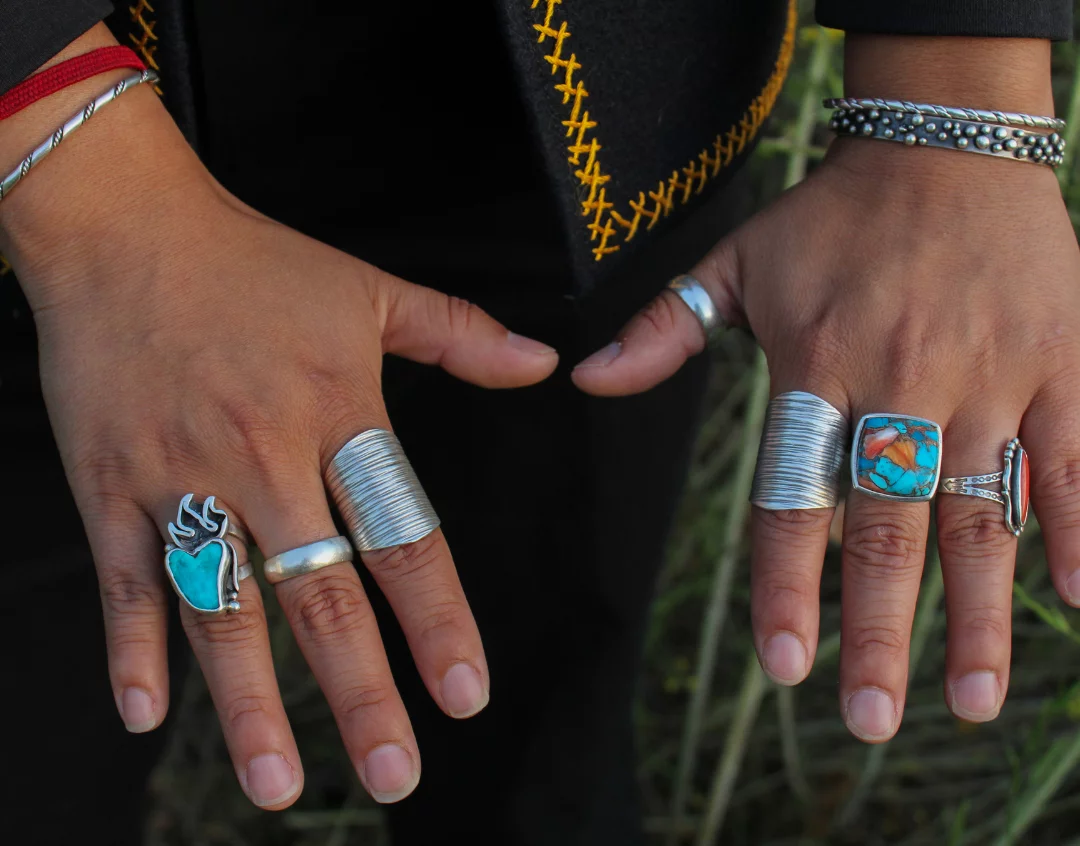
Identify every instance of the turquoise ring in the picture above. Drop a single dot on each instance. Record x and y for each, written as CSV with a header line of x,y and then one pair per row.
x,y
201,561
896,457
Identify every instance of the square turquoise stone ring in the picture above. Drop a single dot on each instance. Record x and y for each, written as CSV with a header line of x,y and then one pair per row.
x,y
896,457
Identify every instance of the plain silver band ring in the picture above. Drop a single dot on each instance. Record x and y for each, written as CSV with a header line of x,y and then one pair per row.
x,y
244,571
307,559
697,299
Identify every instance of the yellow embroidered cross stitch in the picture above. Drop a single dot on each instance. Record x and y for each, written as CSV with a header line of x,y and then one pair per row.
x,y
683,183
145,36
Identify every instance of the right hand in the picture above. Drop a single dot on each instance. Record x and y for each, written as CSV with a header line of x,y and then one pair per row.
x,y
190,344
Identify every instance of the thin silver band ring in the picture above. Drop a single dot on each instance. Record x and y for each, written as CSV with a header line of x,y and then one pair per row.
x,y
307,559
697,299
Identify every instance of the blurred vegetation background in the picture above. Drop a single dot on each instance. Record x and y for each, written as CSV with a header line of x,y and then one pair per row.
x,y
724,755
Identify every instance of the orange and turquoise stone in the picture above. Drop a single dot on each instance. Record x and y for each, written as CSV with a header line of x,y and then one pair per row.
x,y
898,456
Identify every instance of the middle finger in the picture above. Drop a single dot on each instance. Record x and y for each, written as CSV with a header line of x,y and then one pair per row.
x,y
883,553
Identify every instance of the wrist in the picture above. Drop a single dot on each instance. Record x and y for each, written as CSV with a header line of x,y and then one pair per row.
x,y
1007,74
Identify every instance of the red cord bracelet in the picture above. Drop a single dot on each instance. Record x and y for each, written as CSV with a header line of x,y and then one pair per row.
x,y
66,73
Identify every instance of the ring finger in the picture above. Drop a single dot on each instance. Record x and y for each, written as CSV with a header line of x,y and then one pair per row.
x,y
978,556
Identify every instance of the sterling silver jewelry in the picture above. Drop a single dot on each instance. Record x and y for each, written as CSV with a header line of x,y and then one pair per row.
x,y
73,123
378,494
914,129
802,450
307,559
697,299
1013,480
202,564
896,457
1052,124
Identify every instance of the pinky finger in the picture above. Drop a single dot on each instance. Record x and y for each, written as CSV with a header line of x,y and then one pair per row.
x,y
126,546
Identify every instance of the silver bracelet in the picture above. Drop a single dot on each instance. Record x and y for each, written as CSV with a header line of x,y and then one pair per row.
x,y
914,129
949,112
84,114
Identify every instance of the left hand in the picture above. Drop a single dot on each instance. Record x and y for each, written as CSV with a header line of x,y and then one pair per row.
x,y
919,281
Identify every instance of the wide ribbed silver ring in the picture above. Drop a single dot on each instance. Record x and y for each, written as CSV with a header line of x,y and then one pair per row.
x,y
697,299
378,494
803,442
307,559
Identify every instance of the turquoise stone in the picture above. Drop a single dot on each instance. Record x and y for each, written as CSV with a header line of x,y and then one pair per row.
x,y
198,577
898,456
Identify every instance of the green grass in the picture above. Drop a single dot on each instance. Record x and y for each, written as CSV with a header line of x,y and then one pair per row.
x,y
724,756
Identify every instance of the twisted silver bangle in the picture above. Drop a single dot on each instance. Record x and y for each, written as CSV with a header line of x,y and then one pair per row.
x,y
913,129
949,112
802,450
73,123
378,494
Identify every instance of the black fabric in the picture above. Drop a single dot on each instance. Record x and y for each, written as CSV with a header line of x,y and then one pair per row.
x,y
981,18
32,32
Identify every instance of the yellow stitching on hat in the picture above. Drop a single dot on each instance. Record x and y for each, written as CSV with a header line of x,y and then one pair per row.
x,y
145,36
5,265
682,184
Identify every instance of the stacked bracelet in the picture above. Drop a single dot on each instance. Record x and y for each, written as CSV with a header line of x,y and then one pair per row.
x,y
1051,124
914,127
83,115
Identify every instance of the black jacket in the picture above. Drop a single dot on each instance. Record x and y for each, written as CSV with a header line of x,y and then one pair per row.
x,y
637,110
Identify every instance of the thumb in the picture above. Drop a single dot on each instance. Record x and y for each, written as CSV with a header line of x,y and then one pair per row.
x,y
429,327
662,336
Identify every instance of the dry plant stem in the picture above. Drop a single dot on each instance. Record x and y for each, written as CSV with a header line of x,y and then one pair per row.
x,y
789,744
752,691
1032,802
721,591
925,618
716,613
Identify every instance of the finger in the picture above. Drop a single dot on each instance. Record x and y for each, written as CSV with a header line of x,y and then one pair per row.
x,y
128,549
233,651
787,556
430,327
336,630
884,549
663,335
978,556
1049,434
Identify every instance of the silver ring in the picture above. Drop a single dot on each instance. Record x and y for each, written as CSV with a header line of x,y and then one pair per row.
x,y
1013,481
896,457
201,562
697,299
244,571
803,441
378,494
307,559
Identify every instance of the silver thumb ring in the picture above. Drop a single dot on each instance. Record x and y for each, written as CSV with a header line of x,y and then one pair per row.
x,y
697,299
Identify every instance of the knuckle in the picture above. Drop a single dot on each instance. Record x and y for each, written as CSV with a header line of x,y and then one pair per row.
x,y
328,604
246,707
910,357
253,433
460,316
885,637
123,594
793,524
1059,492
401,562
890,548
360,699
977,534
820,348
660,315
782,587
990,621
230,631
445,616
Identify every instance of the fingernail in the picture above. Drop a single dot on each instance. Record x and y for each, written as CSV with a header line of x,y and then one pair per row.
x,y
388,773
270,780
977,696
604,357
463,692
137,710
871,714
520,342
784,658
1072,588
